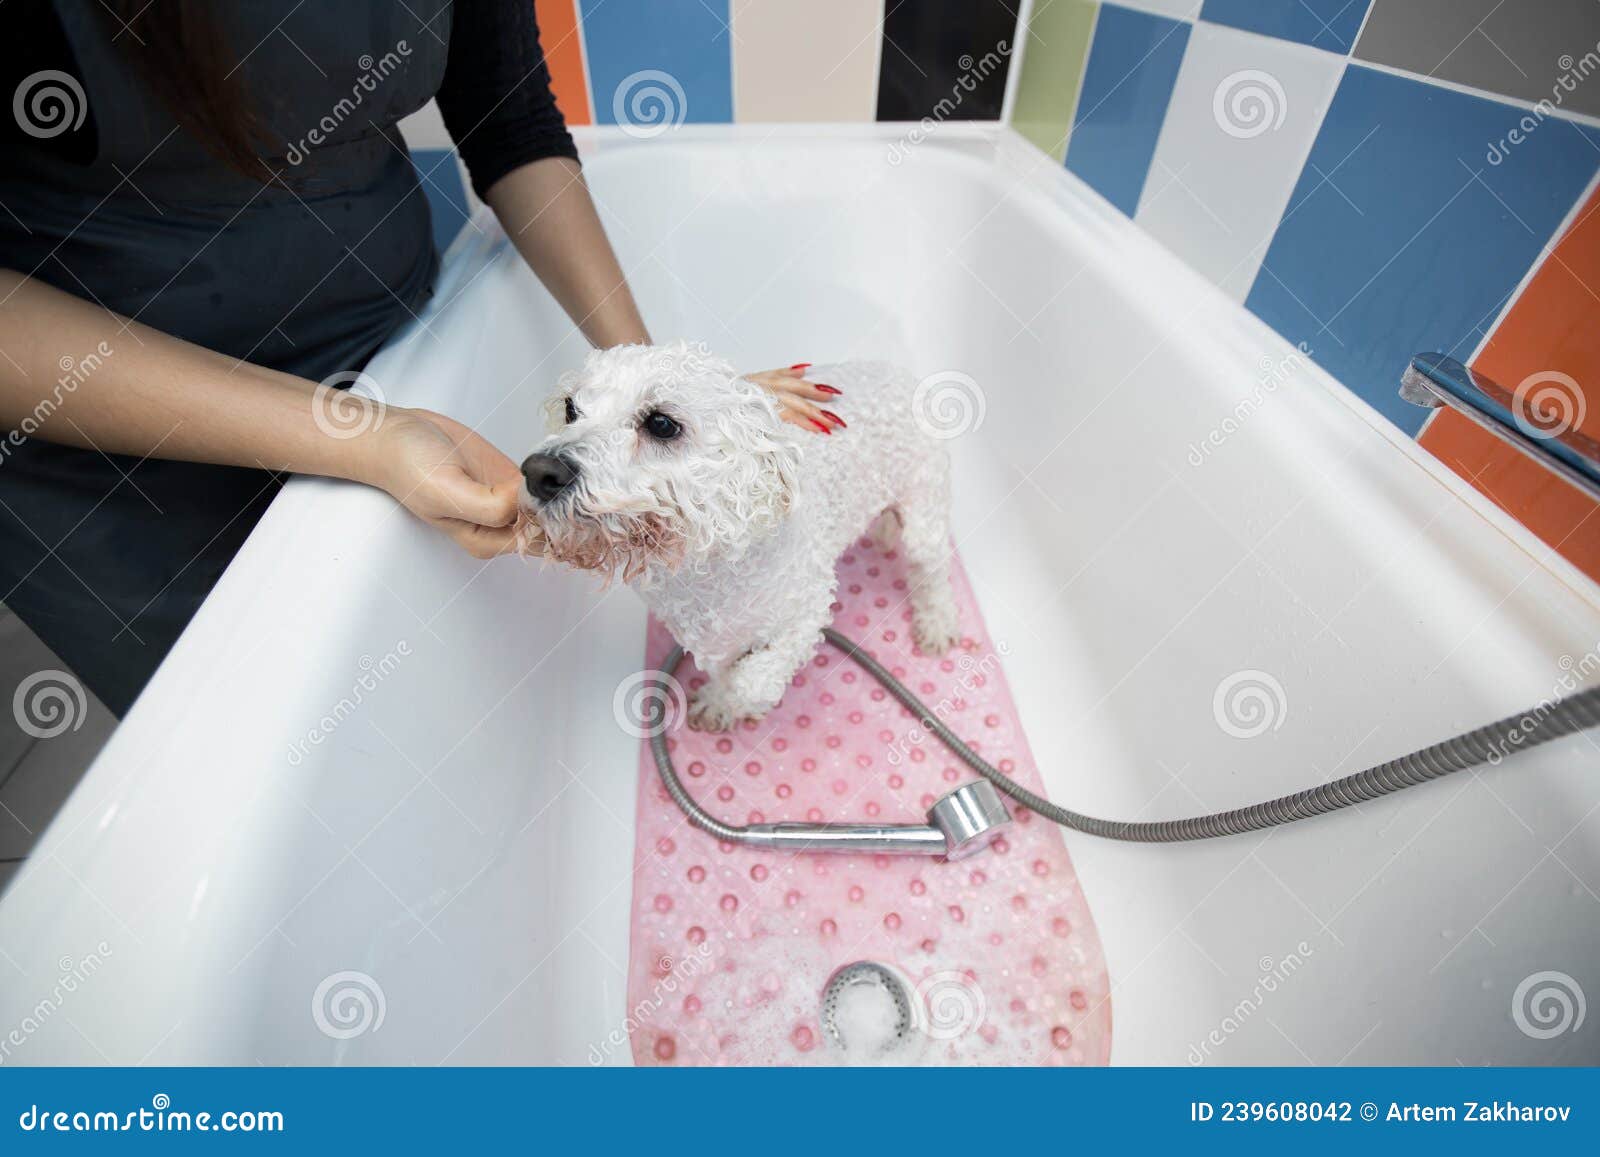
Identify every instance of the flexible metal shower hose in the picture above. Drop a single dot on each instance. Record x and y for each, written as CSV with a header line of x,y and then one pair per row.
x,y
1469,749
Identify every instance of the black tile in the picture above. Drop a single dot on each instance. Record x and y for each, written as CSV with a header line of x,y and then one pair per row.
x,y
945,59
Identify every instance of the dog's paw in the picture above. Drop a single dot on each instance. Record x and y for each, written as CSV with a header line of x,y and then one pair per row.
x,y
935,631
712,711
885,529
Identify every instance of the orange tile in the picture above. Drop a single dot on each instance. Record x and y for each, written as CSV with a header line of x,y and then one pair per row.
x,y
563,52
1553,326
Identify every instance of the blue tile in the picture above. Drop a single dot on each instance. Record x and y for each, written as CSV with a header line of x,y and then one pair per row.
x,y
1133,64
1402,236
447,197
1330,24
689,40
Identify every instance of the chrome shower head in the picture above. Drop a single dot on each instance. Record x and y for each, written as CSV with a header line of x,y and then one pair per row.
x,y
970,818
959,824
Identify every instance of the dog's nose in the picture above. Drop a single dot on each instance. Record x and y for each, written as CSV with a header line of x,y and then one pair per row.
x,y
547,475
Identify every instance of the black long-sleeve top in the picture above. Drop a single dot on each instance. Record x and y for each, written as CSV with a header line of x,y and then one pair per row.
x,y
311,268
306,267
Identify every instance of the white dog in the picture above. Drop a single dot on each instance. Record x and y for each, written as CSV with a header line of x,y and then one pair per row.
x,y
669,469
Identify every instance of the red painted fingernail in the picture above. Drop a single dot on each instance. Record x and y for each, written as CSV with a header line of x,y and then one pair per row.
x,y
801,366
820,426
826,389
835,417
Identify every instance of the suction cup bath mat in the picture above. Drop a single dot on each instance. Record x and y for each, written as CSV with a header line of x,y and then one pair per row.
x,y
744,956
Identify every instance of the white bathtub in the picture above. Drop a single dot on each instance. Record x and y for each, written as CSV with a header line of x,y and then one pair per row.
x,y
464,836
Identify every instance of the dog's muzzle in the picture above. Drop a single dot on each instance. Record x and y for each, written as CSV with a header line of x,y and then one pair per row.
x,y
547,475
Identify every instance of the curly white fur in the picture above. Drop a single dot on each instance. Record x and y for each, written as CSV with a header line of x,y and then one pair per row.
x,y
731,530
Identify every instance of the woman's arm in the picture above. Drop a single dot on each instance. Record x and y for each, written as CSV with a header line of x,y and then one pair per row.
x,y
496,102
545,208
82,376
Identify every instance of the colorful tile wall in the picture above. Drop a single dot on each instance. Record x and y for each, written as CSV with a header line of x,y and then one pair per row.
x,y
1241,105
1530,49
1057,45
1127,86
632,45
1329,24
562,41
806,62
1372,179
1400,238
936,59
1553,328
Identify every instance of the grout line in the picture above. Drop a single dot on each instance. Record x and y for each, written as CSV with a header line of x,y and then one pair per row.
x,y
583,60
1538,263
1355,41
1019,53
1083,72
877,59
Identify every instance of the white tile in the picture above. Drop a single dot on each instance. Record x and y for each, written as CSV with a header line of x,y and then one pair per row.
x,y
424,129
1176,9
1243,116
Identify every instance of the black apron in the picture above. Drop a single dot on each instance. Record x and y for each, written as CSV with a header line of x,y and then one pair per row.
x,y
106,558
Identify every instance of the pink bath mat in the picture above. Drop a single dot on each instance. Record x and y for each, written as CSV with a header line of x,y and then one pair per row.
x,y
732,947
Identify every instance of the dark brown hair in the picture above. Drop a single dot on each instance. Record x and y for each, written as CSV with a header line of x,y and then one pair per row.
x,y
181,51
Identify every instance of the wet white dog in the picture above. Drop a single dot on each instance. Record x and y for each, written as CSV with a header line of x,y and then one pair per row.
x,y
670,470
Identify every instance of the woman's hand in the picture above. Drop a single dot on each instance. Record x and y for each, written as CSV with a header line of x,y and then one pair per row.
x,y
797,398
449,477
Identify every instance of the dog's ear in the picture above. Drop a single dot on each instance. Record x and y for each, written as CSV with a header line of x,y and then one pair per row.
x,y
755,483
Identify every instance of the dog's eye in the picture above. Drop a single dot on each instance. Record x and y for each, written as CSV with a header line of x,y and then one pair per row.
x,y
660,427
572,412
